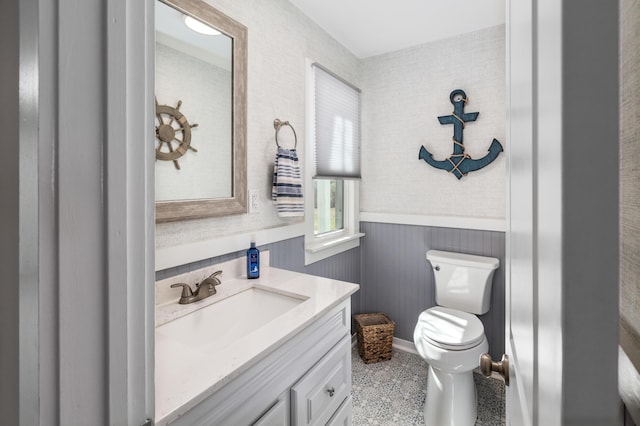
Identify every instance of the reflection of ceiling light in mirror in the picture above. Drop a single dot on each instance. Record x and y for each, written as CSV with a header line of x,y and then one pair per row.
x,y
199,27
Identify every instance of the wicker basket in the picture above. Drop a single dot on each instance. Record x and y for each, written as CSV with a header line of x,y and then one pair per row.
x,y
375,336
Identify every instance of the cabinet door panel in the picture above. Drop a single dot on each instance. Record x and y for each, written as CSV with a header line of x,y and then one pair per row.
x,y
323,389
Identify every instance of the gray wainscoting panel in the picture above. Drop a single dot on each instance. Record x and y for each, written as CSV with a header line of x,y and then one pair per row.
x,y
397,279
289,254
392,270
177,270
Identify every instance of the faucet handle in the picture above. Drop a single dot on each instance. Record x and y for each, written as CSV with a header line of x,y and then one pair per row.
x,y
210,283
214,277
186,290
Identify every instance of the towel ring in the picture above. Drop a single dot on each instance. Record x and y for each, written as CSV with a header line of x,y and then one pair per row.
x,y
277,124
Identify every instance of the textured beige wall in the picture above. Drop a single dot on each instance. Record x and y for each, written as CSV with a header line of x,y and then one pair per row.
x,y
280,37
630,181
403,94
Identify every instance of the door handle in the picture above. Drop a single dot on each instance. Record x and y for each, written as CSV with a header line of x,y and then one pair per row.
x,y
487,365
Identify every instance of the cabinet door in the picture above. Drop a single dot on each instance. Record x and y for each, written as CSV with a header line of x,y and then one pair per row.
x,y
342,417
277,415
322,390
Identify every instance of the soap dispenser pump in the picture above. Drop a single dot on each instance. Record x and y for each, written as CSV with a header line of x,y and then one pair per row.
x,y
253,261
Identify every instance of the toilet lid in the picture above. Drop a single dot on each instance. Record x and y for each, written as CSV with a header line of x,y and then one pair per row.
x,y
450,328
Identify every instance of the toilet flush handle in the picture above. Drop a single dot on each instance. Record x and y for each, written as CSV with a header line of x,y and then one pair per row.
x,y
487,365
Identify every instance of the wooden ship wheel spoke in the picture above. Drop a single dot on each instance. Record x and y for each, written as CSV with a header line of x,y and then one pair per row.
x,y
167,133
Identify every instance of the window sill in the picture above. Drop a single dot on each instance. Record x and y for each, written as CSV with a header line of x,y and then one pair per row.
x,y
321,250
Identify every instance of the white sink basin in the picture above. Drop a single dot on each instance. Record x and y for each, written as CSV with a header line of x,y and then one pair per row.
x,y
229,319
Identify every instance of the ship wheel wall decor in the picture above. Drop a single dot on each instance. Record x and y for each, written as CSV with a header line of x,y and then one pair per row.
x,y
171,124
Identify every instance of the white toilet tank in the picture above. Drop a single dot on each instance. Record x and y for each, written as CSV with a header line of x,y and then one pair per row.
x,y
463,281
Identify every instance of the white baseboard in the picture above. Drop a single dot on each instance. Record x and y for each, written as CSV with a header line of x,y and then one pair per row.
x,y
398,344
405,346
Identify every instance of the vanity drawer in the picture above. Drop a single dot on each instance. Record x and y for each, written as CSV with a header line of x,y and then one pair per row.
x,y
342,417
317,396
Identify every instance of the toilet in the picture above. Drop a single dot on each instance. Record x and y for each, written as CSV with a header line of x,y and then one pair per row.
x,y
451,338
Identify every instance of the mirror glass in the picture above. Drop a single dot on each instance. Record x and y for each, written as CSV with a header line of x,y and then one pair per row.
x,y
194,69
200,75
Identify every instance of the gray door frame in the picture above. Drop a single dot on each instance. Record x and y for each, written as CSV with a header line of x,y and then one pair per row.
x,y
77,212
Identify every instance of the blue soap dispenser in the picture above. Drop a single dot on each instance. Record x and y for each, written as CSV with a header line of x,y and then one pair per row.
x,y
253,261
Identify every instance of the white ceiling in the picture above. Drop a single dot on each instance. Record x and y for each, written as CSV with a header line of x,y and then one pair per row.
x,y
372,27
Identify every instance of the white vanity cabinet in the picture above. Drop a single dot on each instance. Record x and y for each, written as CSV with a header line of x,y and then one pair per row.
x,y
306,380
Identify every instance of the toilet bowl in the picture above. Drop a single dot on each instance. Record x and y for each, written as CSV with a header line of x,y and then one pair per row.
x,y
451,392
450,338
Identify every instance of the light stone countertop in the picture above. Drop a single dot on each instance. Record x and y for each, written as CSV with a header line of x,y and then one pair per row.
x,y
212,368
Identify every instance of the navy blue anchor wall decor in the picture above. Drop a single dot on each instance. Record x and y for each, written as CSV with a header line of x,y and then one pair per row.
x,y
460,163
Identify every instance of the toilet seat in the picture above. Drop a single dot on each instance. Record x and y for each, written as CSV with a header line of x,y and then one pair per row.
x,y
450,329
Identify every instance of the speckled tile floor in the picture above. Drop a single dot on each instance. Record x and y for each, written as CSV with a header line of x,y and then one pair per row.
x,y
393,392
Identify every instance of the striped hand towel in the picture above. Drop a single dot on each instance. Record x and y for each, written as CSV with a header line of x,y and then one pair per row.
x,y
287,184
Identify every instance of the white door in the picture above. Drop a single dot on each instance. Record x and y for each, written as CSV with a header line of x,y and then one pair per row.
x,y
519,291
533,311
562,246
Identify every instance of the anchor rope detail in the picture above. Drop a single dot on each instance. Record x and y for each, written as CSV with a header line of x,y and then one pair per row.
x,y
459,119
460,144
455,165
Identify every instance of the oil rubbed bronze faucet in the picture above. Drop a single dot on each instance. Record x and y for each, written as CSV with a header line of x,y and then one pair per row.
x,y
203,290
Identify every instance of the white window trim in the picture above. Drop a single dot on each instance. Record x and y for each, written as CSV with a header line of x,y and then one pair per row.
x,y
326,245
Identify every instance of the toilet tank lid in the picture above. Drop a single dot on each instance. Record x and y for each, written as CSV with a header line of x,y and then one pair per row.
x,y
462,259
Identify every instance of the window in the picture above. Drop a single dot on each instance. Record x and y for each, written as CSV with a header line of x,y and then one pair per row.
x,y
328,206
333,162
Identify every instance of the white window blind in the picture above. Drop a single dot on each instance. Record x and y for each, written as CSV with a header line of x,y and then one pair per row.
x,y
336,126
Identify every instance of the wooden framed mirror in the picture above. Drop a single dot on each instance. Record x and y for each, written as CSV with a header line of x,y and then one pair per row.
x,y
201,108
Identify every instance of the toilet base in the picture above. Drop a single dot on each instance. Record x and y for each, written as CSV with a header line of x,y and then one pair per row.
x,y
451,399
